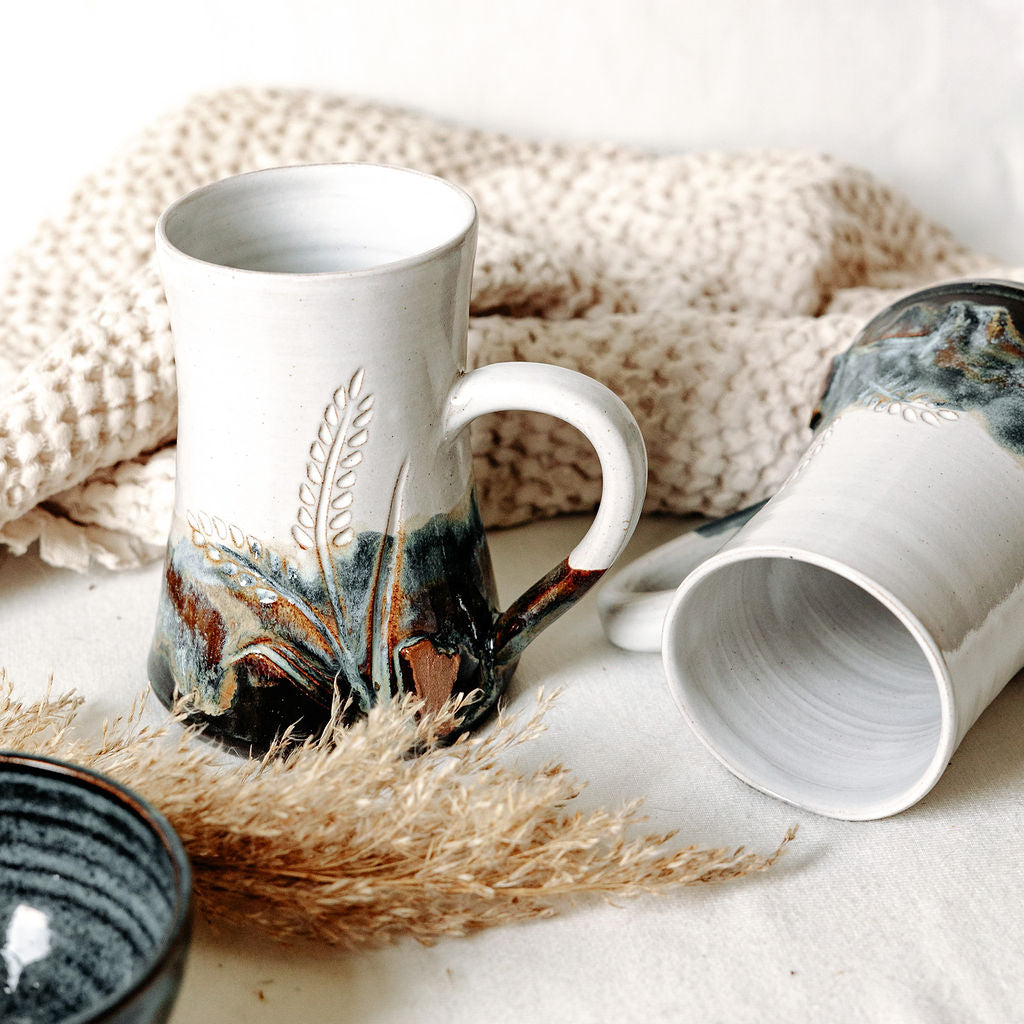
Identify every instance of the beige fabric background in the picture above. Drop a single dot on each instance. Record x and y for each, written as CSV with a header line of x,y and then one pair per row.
x,y
708,290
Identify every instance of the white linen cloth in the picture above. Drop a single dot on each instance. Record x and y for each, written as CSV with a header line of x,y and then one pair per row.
x,y
910,919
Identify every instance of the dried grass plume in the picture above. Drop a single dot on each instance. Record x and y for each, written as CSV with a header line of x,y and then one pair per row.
x,y
352,841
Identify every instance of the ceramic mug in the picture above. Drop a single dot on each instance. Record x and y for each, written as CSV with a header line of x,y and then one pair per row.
x,y
833,647
326,540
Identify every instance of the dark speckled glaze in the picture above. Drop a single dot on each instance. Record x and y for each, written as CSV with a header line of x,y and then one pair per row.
x,y
258,646
95,899
957,346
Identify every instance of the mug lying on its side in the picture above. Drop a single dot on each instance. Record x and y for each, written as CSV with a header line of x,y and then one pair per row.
x,y
833,647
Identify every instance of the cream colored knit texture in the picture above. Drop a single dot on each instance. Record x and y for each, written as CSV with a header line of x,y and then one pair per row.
x,y
708,290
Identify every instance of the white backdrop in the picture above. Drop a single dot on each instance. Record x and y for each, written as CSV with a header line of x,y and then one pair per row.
x,y
925,94
914,918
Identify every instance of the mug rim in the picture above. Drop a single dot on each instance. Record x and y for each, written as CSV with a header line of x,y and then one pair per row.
x,y
169,249
177,932
941,677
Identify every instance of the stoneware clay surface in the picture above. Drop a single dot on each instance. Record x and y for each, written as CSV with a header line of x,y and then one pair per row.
x,y
833,647
95,899
326,540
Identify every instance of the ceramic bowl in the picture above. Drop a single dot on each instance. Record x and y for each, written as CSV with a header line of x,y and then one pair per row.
x,y
95,899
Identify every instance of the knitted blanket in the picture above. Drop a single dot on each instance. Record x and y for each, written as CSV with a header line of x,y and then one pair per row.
x,y
709,290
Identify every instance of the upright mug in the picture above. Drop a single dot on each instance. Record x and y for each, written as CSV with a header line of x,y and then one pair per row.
x,y
326,541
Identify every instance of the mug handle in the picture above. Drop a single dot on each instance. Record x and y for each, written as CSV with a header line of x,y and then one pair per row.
x,y
633,603
610,427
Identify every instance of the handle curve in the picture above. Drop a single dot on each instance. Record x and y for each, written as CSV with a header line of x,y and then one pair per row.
x,y
601,416
633,603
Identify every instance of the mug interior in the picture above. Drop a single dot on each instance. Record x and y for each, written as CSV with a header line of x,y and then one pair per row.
x,y
314,219
807,686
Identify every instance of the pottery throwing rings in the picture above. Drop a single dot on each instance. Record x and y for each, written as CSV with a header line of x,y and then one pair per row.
x,y
95,899
833,648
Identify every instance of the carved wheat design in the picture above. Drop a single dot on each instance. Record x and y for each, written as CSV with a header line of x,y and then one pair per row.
x,y
255,570
314,644
261,577
387,575
918,406
325,497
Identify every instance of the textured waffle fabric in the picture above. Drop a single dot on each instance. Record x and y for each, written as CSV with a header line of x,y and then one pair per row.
x,y
709,290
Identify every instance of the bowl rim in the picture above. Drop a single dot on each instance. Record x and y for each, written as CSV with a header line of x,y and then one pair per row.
x,y
177,934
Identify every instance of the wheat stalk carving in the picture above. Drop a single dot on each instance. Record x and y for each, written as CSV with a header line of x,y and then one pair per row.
x,y
264,581
387,575
316,643
325,516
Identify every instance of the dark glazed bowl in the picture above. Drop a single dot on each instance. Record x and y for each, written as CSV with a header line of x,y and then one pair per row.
x,y
95,899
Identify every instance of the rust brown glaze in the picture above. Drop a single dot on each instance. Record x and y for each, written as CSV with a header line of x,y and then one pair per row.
x,y
197,613
429,673
256,646
544,602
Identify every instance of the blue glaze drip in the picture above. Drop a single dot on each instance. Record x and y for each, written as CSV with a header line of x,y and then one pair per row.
x,y
733,521
253,667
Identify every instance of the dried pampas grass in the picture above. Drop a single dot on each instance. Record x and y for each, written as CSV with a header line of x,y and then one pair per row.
x,y
352,841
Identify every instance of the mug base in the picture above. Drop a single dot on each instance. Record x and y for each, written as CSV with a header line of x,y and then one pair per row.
x,y
266,714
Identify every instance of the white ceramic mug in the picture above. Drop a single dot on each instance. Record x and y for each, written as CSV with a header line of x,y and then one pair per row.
x,y
326,540
833,647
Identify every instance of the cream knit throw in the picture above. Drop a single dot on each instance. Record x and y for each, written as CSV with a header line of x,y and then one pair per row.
x,y
708,290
